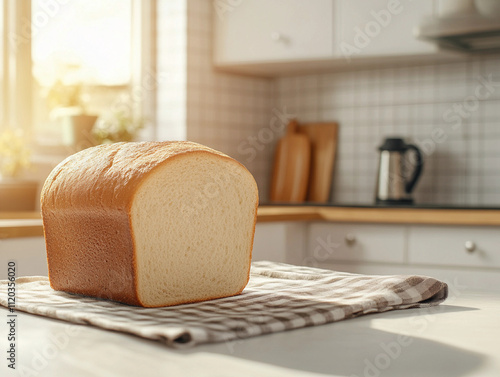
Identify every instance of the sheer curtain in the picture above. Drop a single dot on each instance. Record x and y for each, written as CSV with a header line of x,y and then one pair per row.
x,y
16,64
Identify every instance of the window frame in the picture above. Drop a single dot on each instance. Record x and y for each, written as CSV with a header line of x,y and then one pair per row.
x,y
16,66
3,66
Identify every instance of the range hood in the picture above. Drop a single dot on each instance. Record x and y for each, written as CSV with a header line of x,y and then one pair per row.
x,y
471,33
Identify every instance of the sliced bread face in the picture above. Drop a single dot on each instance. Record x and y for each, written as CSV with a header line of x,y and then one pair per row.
x,y
193,223
150,224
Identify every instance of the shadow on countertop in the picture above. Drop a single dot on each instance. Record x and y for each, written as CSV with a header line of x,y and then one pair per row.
x,y
353,348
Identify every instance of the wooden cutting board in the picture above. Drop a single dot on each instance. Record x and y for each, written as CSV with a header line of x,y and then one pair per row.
x,y
323,138
291,167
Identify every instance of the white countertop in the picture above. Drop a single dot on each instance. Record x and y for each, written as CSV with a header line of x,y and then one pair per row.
x,y
459,338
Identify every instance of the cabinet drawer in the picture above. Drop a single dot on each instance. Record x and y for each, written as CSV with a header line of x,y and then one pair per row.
x,y
355,242
455,246
380,28
263,31
270,242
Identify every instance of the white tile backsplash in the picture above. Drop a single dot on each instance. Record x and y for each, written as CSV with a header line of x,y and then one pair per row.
x,y
223,110
434,105
219,110
171,60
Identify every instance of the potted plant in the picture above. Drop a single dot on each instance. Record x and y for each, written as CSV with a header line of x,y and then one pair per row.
x,y
67,107
16,194
118,125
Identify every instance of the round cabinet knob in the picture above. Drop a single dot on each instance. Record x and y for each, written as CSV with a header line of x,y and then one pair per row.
x,y
276,36
470,246
279,37
350,239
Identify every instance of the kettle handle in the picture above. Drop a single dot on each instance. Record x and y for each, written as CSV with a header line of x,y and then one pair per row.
x,y
410,185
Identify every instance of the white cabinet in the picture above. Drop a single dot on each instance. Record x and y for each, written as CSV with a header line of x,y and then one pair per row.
x,y
356,242
464,256
454,246
263,30
280,242
270,242
28,253
278,37
380,28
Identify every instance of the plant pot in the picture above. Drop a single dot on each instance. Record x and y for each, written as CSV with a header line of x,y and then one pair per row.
x,y
17,195
77,131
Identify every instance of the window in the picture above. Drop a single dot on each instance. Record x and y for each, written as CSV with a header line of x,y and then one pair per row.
x,y
66,58
81,53
83,41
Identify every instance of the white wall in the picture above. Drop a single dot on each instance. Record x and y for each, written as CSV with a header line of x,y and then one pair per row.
x,y
171,60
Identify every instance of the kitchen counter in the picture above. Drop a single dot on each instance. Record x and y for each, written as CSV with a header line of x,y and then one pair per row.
x,y
457,338
382,214
29,224
20,224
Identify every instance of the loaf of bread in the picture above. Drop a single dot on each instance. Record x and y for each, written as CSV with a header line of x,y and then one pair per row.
x,y
150,223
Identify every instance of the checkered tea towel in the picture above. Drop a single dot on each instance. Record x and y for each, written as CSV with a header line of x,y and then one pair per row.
x,y
278,297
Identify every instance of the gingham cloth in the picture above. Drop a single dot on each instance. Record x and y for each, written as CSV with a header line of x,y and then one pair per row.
x,y
278,297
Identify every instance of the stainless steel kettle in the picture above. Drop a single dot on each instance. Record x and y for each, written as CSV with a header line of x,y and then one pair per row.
x,y
394,182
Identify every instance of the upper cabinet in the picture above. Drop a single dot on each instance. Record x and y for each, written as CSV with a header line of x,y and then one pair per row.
x,y
263,30
380,27
292,36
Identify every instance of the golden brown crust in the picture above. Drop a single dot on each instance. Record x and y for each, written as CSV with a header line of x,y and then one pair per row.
x,y
251,246
84,264
94,190
114,174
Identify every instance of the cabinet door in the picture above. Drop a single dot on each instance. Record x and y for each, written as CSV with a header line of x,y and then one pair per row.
x,y
380,27
270,242
280,242
454,246
356,242
28,254
263,30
